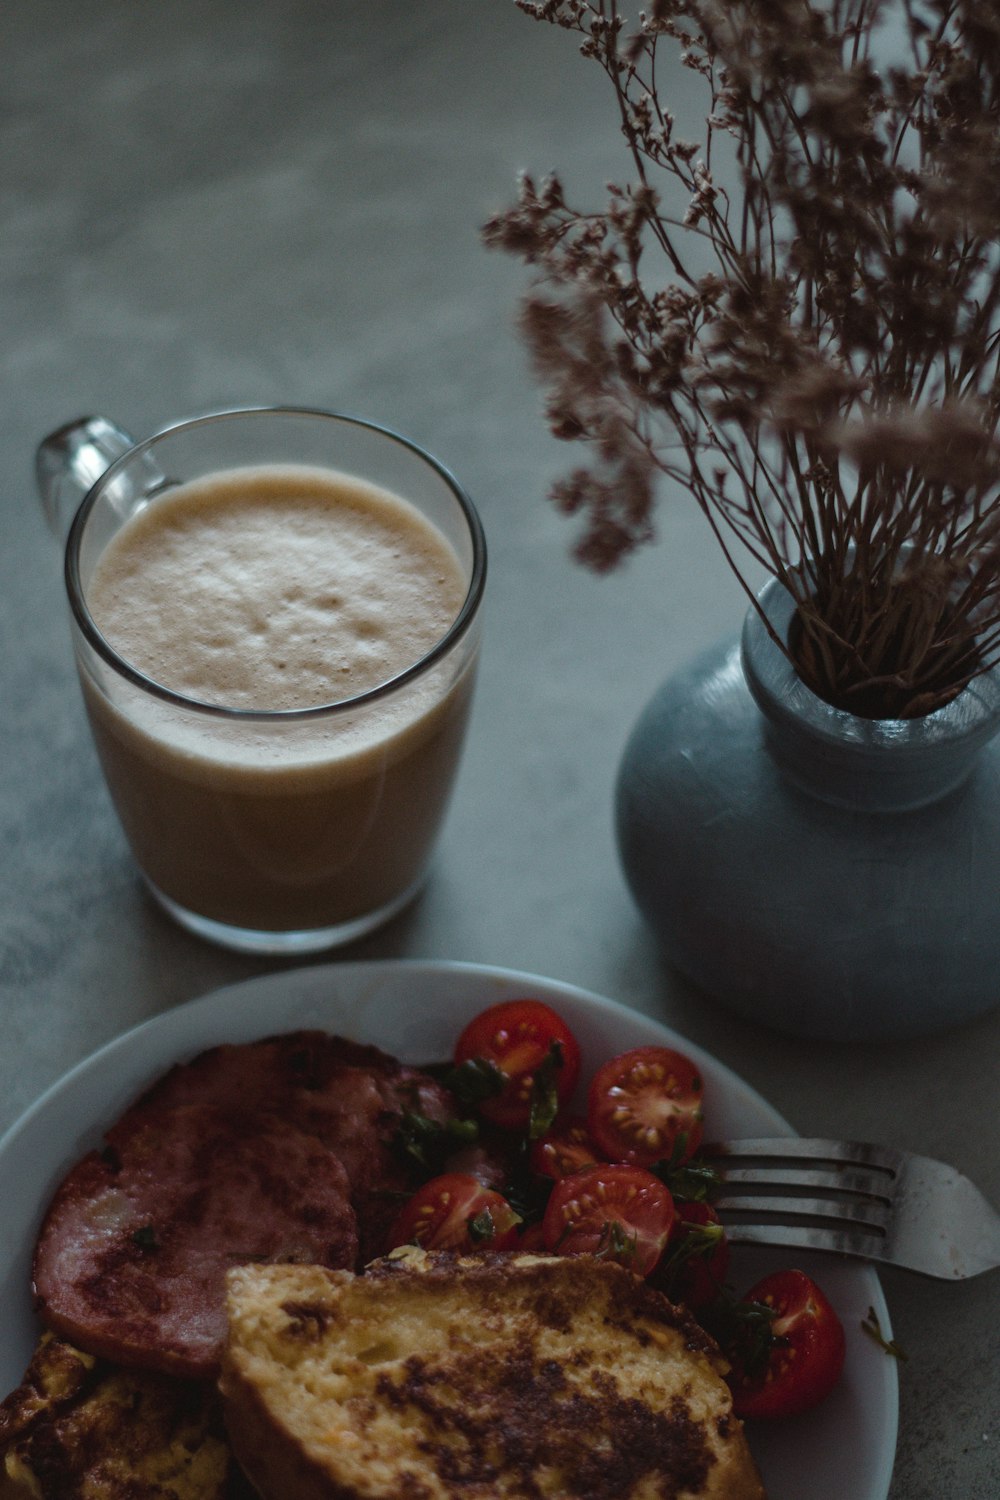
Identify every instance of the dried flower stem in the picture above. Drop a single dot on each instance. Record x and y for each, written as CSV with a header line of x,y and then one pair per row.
x,y
814,355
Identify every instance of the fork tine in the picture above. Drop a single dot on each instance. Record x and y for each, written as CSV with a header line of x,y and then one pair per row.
x,y
799,1148
849,1181
857,1181
870,1213
808,1237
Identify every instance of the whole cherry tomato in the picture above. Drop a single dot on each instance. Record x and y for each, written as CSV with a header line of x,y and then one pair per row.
x,y
620,1212
645,1106
533,1057
799,1362
455,1212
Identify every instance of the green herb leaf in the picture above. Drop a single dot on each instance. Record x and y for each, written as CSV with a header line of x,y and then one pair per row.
x,y
475,1079
145,1237
744,1331
482,1227
873,1328
544,1095
428,1142
616,1243
698,1240
693,1181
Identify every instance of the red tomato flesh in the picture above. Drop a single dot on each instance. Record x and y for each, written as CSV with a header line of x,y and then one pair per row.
x,y
530,1240
806,1356
455,1212
620,1212
645,1105
696,1262
565,1148
532,1047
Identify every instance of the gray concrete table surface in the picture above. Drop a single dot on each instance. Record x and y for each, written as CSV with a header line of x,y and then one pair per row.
x,y
209,203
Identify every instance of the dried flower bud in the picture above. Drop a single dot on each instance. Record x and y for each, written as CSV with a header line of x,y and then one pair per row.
x,y
813,351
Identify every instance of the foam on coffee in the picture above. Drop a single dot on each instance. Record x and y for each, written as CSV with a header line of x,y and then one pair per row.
x,y
275,588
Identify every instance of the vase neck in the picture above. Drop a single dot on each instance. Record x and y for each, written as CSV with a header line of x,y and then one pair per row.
x,y
877,765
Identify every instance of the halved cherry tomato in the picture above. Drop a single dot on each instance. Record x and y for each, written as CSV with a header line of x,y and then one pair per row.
x,y
531,1240
620,1212
646,1105
455,1212
537,1058
696,1260
804,1357
565,1148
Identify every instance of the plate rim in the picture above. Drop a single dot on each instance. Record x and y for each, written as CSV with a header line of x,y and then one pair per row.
x,y
167,1019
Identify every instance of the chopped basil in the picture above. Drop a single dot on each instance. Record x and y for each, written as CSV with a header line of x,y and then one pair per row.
x,y
616,1243
693,1181
744,1331
481,1227
428,1142
544,1094
475,1079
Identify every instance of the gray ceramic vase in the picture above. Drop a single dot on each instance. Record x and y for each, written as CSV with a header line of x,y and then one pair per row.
x,y
827,875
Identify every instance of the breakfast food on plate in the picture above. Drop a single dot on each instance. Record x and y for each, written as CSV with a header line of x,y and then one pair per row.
x,y
349,1096
77,1428
622,1182
136,1243
803,1354
390,1330
275,1150
497,1375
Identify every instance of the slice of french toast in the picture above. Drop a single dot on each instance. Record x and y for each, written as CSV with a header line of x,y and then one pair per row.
x,y
77,1428
494,1377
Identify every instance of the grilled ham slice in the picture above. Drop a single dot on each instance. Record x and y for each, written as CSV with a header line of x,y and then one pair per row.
x,y
282,1149
132,1256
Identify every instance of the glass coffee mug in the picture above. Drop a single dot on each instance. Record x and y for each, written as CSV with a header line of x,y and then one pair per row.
x,y
270,829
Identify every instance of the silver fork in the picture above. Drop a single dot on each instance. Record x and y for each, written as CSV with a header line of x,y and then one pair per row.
x,y
856,1199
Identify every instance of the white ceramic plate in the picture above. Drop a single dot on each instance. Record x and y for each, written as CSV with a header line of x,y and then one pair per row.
x,y
415,1010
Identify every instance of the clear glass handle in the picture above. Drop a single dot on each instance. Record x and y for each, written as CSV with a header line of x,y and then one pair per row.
x,y
72,459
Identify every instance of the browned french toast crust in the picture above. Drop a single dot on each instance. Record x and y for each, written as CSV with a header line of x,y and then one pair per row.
x,y
502,1378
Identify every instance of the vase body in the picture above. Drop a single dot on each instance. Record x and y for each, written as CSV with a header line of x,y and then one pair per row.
x,y
826,875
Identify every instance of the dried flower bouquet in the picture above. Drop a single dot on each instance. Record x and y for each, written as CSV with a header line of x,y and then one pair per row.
x,y
796,318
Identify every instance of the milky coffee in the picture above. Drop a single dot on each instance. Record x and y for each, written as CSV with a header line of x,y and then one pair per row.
x,y
280,589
